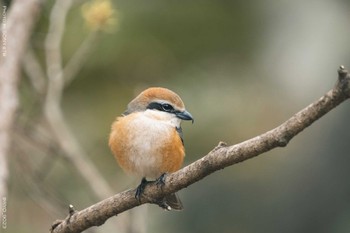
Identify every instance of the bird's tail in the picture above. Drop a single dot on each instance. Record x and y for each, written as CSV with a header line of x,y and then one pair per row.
x,y
174,202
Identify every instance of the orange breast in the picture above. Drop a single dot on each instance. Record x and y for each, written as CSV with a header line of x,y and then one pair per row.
x,y
144,147
118,142
172,154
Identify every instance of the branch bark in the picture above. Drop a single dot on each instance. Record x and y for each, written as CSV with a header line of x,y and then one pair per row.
x,y
220,157
16,30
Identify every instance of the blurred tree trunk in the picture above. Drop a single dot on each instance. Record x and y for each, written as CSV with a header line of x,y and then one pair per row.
x,y
16,27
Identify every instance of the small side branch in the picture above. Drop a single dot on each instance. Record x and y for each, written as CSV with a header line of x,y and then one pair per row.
x,y
220,157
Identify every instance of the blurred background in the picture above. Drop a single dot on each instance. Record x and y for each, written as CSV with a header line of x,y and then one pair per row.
x,y
241,67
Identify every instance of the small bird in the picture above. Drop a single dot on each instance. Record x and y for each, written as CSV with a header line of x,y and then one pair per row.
x,y
147,139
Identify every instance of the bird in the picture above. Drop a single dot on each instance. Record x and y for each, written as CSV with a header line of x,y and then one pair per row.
x,y
147,139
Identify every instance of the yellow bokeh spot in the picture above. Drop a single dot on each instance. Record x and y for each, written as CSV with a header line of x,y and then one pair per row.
x,y
99,15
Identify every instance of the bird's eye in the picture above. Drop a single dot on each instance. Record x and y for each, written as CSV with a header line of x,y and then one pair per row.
x,y
167,107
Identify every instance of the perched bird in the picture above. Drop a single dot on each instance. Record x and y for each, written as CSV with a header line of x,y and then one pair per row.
x,y
147,139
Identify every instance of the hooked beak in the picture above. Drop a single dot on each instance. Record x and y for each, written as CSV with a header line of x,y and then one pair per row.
x,y
185,116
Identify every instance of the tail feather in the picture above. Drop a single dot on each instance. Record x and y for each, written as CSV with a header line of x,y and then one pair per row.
x,y
174,201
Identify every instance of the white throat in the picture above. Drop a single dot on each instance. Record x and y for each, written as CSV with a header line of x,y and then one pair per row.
x,y
163,116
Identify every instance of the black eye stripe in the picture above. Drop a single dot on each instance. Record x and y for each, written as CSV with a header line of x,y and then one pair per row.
x,y
155,105
161,107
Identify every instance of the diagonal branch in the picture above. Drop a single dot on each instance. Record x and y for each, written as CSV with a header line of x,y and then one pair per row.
x,y
52,108
220,157
76,62
32,67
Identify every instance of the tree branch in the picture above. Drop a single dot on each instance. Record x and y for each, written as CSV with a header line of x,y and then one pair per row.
x,y
16,31
220,157
32,67
76,62
52,109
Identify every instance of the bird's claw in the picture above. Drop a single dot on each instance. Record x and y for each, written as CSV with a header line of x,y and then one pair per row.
x,y
160,182
141,188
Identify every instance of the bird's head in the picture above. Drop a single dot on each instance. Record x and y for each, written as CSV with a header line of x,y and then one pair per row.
x,y
162,100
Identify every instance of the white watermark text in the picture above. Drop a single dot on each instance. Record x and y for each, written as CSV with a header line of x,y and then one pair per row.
x,y
4,212
4,32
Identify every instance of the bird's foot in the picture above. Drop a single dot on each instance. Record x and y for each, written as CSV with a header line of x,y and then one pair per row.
x,y
141,188
160,182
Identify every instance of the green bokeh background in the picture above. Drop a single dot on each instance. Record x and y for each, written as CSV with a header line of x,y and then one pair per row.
x,y
242,68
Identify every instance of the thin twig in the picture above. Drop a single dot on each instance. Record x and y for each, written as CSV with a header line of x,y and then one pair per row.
x,y
52,108
34,71
42,195
74,65
220,157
